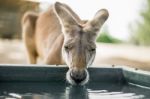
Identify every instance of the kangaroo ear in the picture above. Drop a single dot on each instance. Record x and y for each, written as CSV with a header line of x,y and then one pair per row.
x,y
76,17
63,15
95,24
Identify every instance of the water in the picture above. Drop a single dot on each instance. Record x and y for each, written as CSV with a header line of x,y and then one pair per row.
x,y
54,90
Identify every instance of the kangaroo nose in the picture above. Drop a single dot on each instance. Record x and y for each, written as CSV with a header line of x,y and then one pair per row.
x,y
78,75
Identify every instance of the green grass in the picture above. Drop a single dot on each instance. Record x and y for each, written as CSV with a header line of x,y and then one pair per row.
x,y
106,38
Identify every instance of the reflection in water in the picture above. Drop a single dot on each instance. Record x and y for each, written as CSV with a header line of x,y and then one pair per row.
x,y
64,91
76,92
114,95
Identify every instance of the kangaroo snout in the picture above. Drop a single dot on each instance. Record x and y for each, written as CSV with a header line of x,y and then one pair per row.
x,y
77,77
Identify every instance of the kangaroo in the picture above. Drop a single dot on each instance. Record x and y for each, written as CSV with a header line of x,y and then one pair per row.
x,y
59,36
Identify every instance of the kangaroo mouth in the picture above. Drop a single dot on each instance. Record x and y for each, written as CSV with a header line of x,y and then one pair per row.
x,y
77,78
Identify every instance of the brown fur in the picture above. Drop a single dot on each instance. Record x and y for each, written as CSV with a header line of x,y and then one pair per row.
x,y
46,35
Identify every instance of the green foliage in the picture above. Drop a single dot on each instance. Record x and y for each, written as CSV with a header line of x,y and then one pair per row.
x,y
142,32
106,38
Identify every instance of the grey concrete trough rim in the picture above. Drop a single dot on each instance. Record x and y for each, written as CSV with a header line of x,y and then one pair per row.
x,y
49,73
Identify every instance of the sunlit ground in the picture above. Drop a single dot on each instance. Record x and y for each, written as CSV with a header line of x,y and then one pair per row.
x,y
13,52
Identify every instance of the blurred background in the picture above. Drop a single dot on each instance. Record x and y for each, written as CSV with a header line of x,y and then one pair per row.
x,y
123,40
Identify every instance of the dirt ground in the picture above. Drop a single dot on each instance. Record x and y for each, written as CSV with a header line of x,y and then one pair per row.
x,y
13,52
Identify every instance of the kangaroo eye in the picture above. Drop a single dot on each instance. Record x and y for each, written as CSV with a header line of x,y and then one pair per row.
x,y
92,50
67,47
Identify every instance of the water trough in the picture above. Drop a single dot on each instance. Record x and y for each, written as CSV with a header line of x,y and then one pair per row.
x,y
29,81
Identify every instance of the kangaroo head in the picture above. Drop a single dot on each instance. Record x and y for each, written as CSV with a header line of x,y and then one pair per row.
x,y
79,46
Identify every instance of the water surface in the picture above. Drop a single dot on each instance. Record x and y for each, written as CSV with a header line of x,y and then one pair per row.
x,y
57,90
